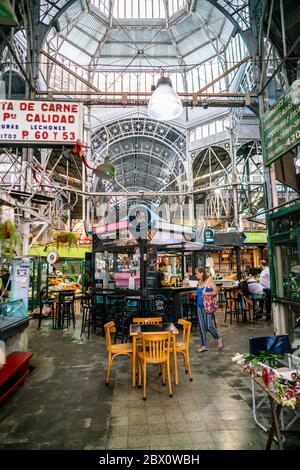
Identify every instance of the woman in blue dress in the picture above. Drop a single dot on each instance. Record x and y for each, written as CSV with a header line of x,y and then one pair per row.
x,y
206,286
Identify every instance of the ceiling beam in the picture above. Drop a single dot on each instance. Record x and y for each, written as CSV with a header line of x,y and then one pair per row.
x,y
74,74
227,72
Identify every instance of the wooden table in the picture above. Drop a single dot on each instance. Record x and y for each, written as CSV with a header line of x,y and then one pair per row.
x,y
136,330
276,407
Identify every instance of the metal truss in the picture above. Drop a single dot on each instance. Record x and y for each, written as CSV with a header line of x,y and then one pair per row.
x,y
212,172
147,154
32,190
60,27
237,11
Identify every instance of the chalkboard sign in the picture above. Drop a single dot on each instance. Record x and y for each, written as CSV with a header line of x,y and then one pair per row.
x,y
281,125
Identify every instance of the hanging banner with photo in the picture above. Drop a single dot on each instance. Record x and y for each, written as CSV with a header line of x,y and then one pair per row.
x,y
40,122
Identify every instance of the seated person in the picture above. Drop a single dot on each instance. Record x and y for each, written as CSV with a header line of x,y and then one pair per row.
x,y
256,291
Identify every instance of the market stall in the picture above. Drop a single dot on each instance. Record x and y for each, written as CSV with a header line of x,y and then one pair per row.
x,y
125,258
59,270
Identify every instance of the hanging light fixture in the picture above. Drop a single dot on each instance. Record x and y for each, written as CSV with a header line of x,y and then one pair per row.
x,y
164,104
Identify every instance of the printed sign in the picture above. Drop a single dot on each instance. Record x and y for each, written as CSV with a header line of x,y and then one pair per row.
x,y
20,280
255,237
281,126
36,122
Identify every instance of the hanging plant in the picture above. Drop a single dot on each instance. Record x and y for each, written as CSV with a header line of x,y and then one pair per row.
x,y
10,239
64,217
68,239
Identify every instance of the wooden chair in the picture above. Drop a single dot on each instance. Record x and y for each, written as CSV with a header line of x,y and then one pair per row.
x,y
147,321
184,345
156,350
114,350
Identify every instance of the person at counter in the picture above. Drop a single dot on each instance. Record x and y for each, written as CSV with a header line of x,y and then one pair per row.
x,y
160,275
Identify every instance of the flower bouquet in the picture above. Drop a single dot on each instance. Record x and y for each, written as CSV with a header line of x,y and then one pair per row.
x,y
285,384
288,389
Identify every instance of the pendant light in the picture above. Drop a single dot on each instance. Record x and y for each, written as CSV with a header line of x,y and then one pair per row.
x,y
164,104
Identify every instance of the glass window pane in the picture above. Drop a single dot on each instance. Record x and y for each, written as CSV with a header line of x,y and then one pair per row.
x,y
121,9
205,130
199,133
142,8
219,125
135,10
212,128
128,9
155,9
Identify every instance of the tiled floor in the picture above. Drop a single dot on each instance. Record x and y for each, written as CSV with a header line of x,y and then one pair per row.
x,y
65,404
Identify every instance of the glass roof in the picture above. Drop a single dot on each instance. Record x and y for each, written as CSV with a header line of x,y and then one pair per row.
x,y
142,9
122,48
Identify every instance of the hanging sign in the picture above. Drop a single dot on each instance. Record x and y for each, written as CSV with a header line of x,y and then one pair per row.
x,y
40,122
255,237
281,125
209,235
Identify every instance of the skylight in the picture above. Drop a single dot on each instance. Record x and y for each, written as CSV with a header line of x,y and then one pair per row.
x,y
140,9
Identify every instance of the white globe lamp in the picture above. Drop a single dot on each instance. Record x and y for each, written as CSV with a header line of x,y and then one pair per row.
x,y
164,104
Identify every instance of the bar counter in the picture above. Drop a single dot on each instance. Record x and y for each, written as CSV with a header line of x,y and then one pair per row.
x,y
168,300
173,299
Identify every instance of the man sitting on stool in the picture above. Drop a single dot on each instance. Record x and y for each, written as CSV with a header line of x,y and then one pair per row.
x,y
256,292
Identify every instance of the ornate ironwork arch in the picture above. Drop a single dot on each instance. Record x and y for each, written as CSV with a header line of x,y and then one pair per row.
x,y
119,130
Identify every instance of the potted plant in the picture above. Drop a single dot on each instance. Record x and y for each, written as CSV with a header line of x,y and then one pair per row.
x,y
68,239
10,239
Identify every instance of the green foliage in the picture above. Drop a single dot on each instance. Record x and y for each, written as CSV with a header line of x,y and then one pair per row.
x,y
68,239
292,287
65,267
10,239
64,217
263,356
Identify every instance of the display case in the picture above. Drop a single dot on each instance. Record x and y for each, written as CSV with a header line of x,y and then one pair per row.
x,y
114,269
284,229
67,274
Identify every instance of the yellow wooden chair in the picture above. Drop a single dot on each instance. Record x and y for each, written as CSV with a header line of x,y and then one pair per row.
x,y
184,345
156,350
114,350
